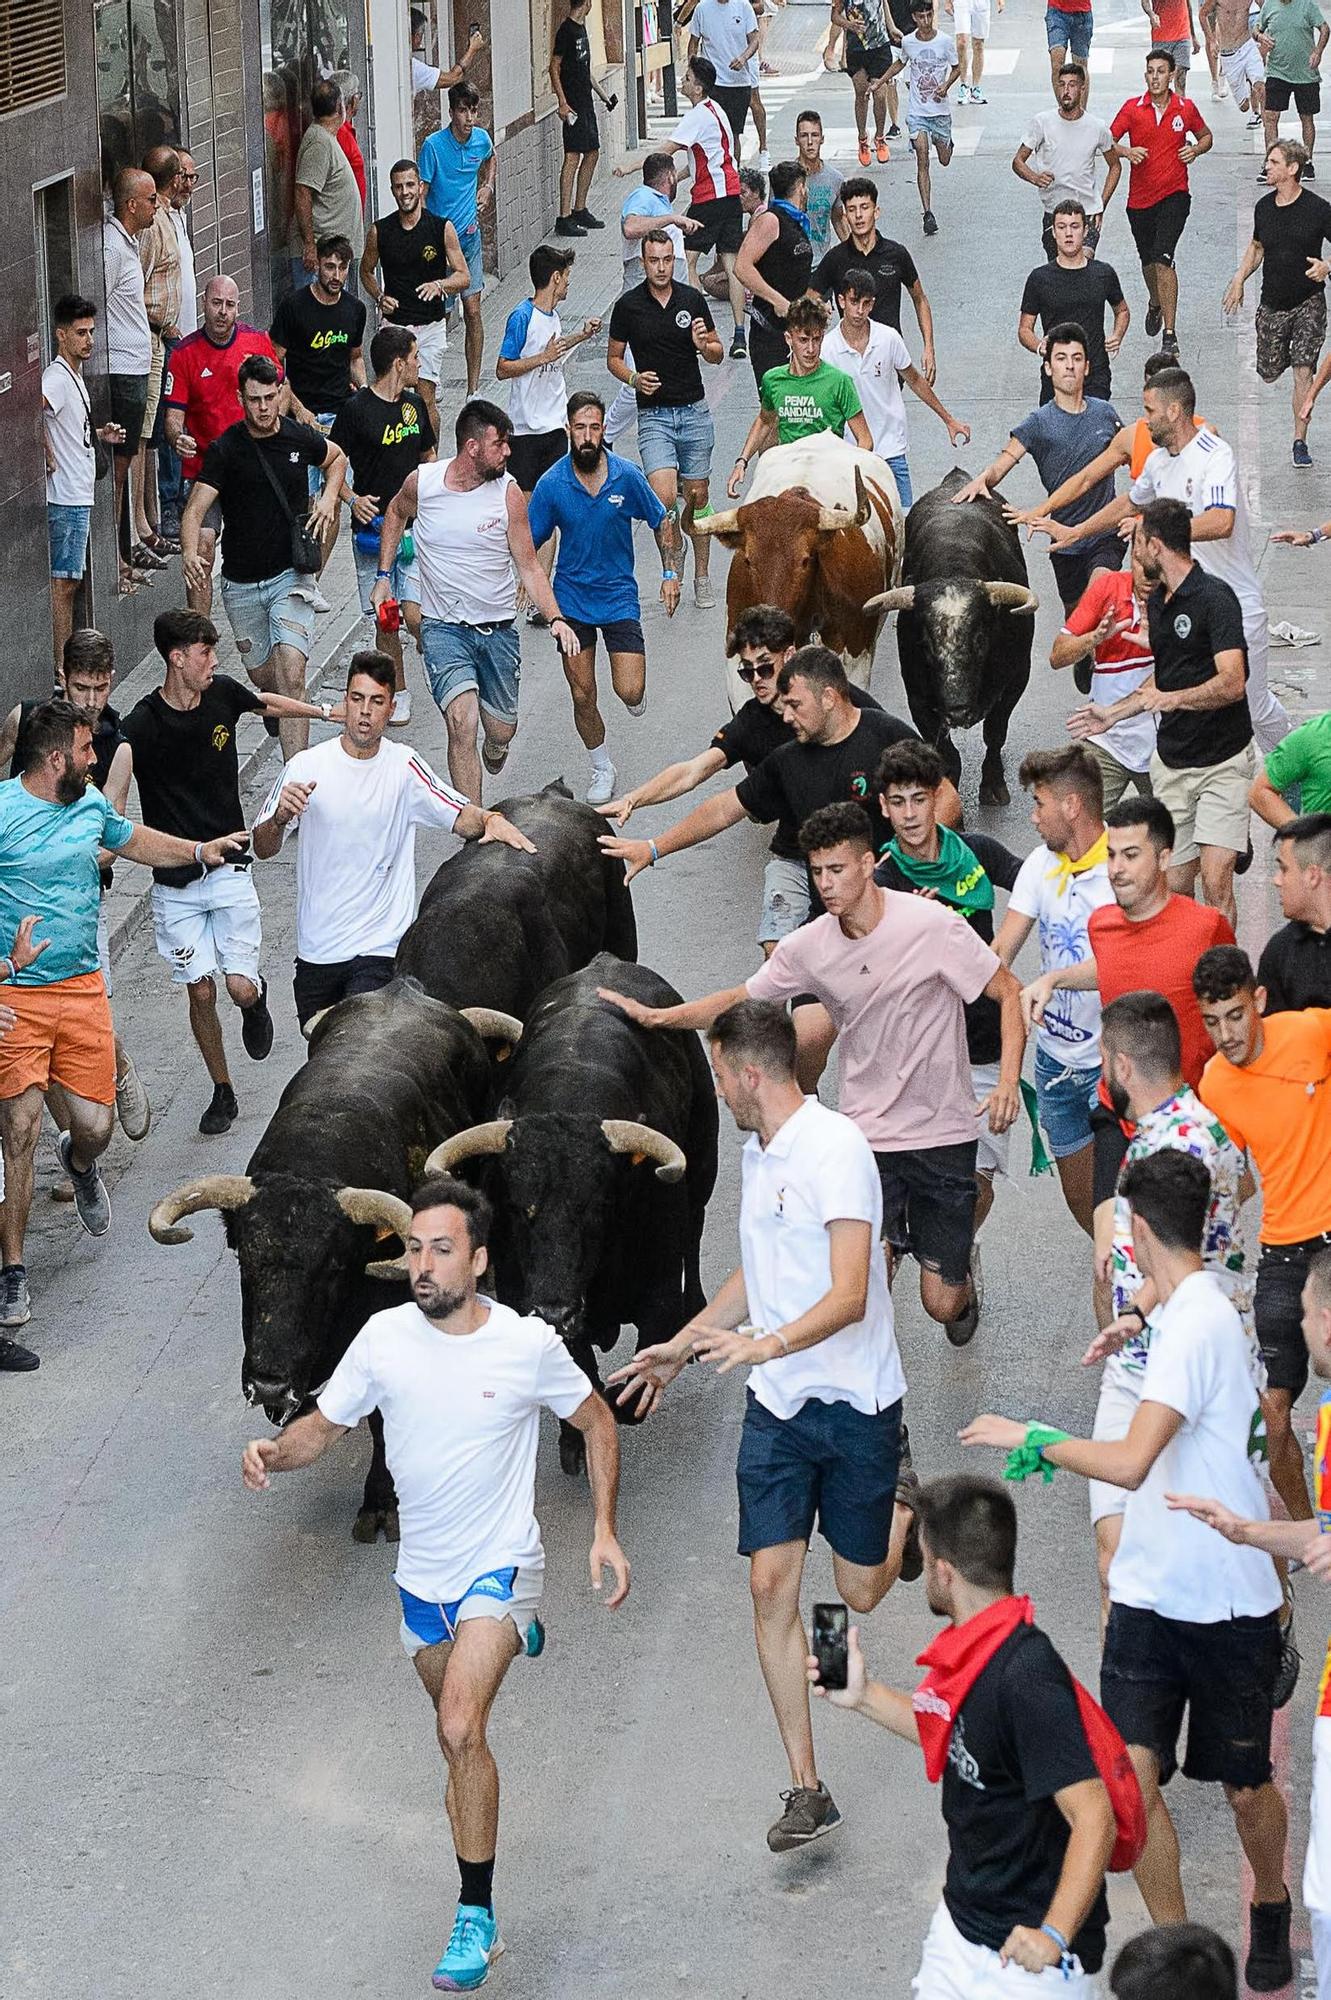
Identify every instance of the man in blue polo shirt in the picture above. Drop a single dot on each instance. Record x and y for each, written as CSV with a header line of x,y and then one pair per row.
x,y
457,171
593,497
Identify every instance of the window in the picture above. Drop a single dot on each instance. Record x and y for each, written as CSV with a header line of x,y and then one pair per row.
x,y
138,81
32,53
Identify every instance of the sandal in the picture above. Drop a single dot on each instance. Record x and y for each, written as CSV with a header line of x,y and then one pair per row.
x,y
126,584
162,545
142,557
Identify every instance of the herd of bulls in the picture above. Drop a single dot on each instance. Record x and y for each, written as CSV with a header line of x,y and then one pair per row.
x,y
489,1050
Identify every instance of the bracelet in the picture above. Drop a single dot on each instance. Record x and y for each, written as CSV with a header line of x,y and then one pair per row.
x,y
670,576
633,378
382,575
1317,535
11,974
198,852
654,853
1051,1931
1137,1311
780,1340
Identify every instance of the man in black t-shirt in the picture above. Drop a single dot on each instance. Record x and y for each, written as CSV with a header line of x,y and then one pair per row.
x,y
1295,966
317,334
1203,763
206,920
257,473
571,76
422,268
892,265
1079,287
670,330
764,641
386,432
1290,227
1030,1824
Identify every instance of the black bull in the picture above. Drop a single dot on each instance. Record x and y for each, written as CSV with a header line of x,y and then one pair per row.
x,y
389,1075
600,1167
965,625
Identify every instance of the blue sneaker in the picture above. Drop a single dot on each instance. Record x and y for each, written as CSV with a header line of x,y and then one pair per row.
x,y
472,1950
534,1641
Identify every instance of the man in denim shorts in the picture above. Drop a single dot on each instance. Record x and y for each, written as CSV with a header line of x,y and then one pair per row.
x,y
1069,28
469,522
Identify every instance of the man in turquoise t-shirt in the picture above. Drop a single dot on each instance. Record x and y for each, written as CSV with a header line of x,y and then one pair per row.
x,y
1303,758
457,169
1292,36
807,396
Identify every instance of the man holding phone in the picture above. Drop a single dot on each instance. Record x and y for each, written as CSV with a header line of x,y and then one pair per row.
x,y
809,1313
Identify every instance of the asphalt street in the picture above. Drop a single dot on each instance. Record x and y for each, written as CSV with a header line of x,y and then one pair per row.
x,y
220,1773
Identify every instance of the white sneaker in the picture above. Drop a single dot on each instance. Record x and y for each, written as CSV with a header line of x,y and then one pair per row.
x,y
602,787
132,1106
401,710
704,597
763,163
1219,91
313,595
637,707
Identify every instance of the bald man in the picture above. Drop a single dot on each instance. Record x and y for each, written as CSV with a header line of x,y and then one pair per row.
x,y
202,400
129,341
159,254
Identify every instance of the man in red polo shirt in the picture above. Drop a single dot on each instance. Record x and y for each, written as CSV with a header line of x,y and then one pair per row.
x,y
1165,133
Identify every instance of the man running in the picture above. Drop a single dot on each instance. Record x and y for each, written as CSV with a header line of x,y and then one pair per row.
x,y
931,60
1290,228
971,21
1060,154
878,361
421,268
1106,640
457,170
775,265
1241,62
703,133
824,182
1164,134
803,399
869,64
357,801
461,1381
891,264
593,497
1074,287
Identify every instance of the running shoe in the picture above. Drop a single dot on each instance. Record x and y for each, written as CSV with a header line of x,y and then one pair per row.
x,y
222,1111
1309,173
1303,458
494,756
256,1025
930,223
739,346
400,714
1219,90
16,1360
637,707
881,152
472,1950
1254,123
586,219
1155,319
1287,1673
704,597
808,1815
977,95
763,163
533,1643
865,155
1270,1966
91,1201
15,1298
602,787
1169,342
132,1107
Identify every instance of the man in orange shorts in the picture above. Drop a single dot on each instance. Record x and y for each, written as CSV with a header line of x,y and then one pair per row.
x,y
53,825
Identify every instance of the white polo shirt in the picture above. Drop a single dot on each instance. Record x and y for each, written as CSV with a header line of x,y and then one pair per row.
x,y
129,341
877,374
818,1169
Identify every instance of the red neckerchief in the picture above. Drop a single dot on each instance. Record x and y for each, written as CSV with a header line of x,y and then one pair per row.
x,y
956,1659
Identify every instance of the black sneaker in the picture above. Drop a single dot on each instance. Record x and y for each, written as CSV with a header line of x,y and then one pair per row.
x,y
494,756
585,217
16,1360
1270,1966
1309,173
908,1485
739,347
961,1331
256,1026
1244,861
15,1298
809,1815
222,1112
566,226
930,223
1169,342
1155,319
894,131
1287,1673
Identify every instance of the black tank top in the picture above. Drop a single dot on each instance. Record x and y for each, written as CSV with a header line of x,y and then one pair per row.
x,y
787,266
411,257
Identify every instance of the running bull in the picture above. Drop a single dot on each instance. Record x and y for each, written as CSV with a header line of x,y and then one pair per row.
x,y
966,620
601,1164
389,1075
494,927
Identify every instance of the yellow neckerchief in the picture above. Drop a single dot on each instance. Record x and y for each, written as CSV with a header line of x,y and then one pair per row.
x,y
1065,869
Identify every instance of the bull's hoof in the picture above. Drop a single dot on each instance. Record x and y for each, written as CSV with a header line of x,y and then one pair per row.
x,y
371,1520
994,791
572,1453
625,1413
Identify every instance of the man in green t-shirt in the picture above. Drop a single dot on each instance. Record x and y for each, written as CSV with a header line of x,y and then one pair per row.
x,y
1291,35
807,396
1302,758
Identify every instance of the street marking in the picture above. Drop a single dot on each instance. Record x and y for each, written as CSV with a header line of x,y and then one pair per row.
x,y
1100,62
965,143
1000,62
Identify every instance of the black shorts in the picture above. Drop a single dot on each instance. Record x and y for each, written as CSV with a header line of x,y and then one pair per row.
x,y
830,1464
767,349
1154,1668
1156,230
620,635
582,135
1111,1144
873,63
734,100
722,225
531,455
1277,1311
929,1206
1072,572
319,986
129,404
1307,96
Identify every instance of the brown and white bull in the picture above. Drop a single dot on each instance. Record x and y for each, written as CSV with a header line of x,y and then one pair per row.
x,y
819,533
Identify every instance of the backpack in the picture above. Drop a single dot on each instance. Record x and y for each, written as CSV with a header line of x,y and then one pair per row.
x,y
1109,1753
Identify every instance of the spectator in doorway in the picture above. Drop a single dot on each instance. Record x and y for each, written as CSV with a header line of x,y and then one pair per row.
x,y
159,253
129,341
457,168
327,201
349,85
71,459
427,75
170,477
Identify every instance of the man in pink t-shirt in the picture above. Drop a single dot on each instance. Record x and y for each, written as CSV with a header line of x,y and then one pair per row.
x,y
895,974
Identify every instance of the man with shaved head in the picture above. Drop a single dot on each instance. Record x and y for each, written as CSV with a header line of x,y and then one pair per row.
x,y
159,253
129,342
170,479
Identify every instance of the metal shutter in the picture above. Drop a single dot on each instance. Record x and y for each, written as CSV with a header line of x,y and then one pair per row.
x,y
32,53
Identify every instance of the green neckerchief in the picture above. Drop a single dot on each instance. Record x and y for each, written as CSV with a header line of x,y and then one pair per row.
x,y
957,876
1026,1459
1040,1160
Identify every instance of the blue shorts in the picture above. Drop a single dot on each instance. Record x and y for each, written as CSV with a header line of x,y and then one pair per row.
x,y
462,659
678,438
899,467
938,128
404,583
67,530
621,635
1067,1098
829,1463
315,473
499,1593
276,612
470,242
1070,31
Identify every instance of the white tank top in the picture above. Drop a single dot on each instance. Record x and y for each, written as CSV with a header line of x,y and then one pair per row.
x,y
462,549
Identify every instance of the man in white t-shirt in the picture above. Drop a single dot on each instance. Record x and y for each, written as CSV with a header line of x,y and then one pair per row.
x,y
429,76
878,361
71,460
931,60
1193,1621
1059,152
1058,887
725,32
531,361
358,801
809,1314
460,1383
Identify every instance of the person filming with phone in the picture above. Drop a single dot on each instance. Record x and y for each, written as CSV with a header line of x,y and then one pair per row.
x,y
810,1315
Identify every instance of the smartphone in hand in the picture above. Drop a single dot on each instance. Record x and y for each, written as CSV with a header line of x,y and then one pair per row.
x,y
831,1624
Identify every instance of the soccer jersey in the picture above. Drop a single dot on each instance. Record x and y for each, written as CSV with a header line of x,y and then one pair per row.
x,y
1322,1508
201,382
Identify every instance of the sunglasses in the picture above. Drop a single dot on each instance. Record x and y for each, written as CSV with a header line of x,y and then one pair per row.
x,y
750,674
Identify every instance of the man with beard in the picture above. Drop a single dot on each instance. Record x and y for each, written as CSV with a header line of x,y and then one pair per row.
x,y
461,1382
318,332
593,497
53,827
422,269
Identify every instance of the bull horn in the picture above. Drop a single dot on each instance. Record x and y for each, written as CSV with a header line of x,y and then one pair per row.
x,y
491,1025
221,1191
1012,597
625,1135
902,598
473,1144
313,1022
385,1212
832,519
724,523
